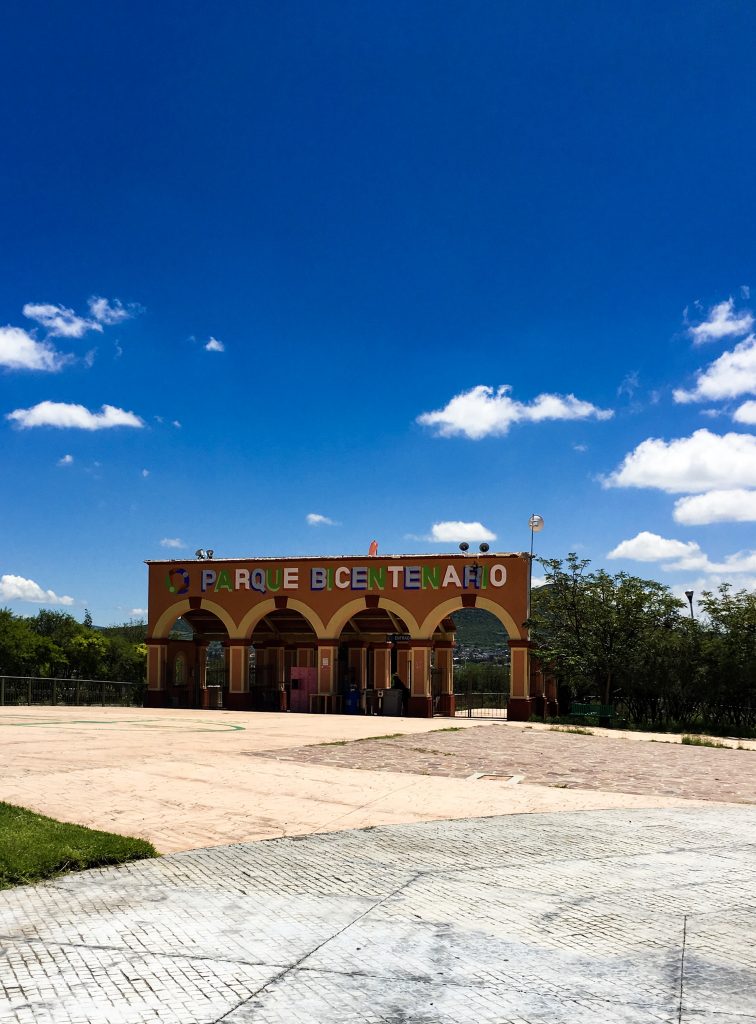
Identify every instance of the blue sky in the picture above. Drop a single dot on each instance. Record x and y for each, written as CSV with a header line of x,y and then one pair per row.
x,y
396,266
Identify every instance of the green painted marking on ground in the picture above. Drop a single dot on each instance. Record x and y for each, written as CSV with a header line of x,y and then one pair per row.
x,y
139,724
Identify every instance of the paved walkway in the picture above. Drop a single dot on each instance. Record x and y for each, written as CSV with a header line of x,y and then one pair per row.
x,y
189,779
550,757
605,917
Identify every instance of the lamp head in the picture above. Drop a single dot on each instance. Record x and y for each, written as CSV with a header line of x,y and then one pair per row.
x,y
464,546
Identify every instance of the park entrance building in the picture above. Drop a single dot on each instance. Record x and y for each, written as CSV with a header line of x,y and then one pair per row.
x,y
326,634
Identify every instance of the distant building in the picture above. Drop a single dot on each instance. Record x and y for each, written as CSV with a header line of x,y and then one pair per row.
x,y
326,634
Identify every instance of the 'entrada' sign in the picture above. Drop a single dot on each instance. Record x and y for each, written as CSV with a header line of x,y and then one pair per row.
x,y
342,577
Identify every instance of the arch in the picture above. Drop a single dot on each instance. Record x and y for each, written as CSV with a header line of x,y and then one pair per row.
x,y
164,624
221,613
455,603
247,625
169,616
340,618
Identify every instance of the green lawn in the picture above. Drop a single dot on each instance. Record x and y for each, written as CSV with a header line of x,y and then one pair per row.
x,y
33,847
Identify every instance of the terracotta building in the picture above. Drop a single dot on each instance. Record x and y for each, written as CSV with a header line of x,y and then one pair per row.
x,y
328,633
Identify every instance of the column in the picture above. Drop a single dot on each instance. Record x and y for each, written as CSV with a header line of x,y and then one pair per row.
x,y
306,655
520,706
413,668
277,661
327,666
238,696
157,665
382,665
199,692
357,659
445,664
421,700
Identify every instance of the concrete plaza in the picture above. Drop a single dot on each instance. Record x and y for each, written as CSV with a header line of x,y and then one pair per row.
x,y
495,875
188,779
617,917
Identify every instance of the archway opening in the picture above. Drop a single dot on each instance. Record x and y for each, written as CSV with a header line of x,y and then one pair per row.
x,y
196,670
282,662
470,659
369,646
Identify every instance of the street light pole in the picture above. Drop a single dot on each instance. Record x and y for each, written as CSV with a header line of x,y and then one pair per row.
x,y
536,525
689,595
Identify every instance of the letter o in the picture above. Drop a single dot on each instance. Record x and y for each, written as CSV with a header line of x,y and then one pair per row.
x,y
498,576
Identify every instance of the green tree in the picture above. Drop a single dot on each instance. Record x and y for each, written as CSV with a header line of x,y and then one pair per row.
x,y
593,628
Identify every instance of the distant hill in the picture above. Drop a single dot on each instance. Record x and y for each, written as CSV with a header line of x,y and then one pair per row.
x,y
478,628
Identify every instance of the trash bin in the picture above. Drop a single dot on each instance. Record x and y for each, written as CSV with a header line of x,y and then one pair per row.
x,y
392,702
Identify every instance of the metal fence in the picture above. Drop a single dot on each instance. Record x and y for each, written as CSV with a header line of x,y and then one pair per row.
x,y
20,690
472,704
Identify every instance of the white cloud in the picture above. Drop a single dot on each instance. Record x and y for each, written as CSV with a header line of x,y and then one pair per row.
x,y
483,412
16,588
313,519
59,321
746,413
67,460
580,447
176,424
718,506
214,345
105,312
137,613
745,291
65,415
145,473
722,322
629,385
650,547
172,542
20,351
733,374
454,531
702,462
687,555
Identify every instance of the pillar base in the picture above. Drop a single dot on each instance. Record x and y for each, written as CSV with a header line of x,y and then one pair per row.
x,y
420,707
519,709
156,699
446,705
237,701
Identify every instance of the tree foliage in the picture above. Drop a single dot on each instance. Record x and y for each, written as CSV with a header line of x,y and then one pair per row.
x,y
619,639
53,643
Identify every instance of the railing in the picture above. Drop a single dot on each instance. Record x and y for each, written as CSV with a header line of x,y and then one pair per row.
x,y
19,690
473,704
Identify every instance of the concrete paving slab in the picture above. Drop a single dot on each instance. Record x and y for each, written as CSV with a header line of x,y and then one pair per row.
x,y
631,916
191,779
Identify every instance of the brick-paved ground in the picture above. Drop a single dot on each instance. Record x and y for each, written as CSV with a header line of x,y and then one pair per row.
x,y
601,917
552,758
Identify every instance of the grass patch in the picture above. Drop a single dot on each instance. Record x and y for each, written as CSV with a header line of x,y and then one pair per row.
x,y
449,728
33,847
578,729
702,741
